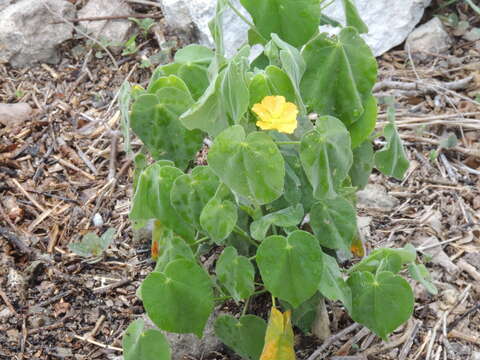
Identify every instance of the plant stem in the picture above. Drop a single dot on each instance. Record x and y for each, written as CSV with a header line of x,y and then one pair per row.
x,y
245,307
199,241
245,20
242,233
252,258
473,6
287,142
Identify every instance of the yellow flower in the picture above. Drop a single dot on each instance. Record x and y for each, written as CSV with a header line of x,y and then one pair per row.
x,y
275,113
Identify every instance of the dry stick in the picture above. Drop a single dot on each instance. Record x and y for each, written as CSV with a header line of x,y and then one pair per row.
x,y
391,344
83,33
28,196
105,289
73,167
422,85
145,2
7,302
104,346
332,339
408,344
467,152
461,317
111,17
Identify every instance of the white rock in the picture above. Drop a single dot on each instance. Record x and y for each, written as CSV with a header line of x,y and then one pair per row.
x,y
375,196
12,115
389,22
5,3
27,32
115,31
182,13
430,37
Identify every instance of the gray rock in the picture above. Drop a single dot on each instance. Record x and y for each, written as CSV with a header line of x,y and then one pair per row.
x,y
188,345
375,196
114,31
389,22
476,355
430,37
27,32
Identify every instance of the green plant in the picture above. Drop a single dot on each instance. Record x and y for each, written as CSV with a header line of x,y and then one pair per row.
x,y
269,166
143,24
91,245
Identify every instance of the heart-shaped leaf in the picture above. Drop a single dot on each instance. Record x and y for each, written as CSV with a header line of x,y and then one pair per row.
x,y
251,166
362,164
353,18
191,192
295,21
245,336
144,344
235,273
340,75
155,119
218,218
169,248
292,267
279,339
152,199
290,216
180,299
361,129
326,156
272,81
382,302
392,159
334,223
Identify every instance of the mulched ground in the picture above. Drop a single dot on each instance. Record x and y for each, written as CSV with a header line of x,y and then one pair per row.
x,y
66,166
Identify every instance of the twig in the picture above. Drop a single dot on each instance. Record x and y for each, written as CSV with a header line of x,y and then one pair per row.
x,y
408,344
331,340
391,344
111,17
463,265
459,335
113,155
7,302
27,195
145,2
461,317
91,341
105,289
73,167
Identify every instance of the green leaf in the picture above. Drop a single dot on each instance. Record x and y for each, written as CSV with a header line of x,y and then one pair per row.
x,y
290,216
340,75
382,302
92,245
146,345
392,159
292,267
420,273
234,89
196,78
172,248
180,299
361,129
297,185
191,192
391,263
293,20
362,164
152,199
236,273
251,166
218,218
245,336
272,81
353,18
224,102
334,223
333,286
194,54
326,156
304,315
372,262
154,118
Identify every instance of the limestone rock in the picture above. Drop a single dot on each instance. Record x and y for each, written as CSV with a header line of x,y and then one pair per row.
x,y
114,31
181,14
389,22
12,115
430,37
375,196
5,3
27,32
184,346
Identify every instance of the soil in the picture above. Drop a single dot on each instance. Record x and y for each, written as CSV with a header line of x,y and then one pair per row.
x,y
64,172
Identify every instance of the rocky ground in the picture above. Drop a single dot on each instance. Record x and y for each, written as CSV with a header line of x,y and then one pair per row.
x,y
64,172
